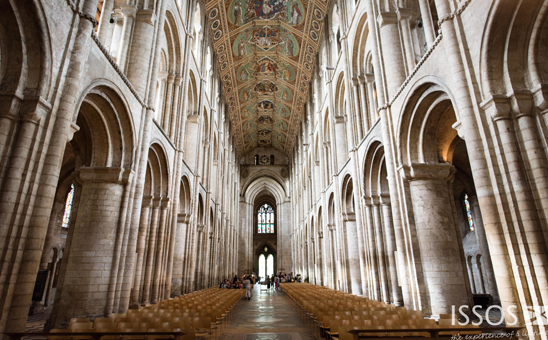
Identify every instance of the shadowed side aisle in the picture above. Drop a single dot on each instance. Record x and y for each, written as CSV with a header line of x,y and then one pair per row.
x,y
267,316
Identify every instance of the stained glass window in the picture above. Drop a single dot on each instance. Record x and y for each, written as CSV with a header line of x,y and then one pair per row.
x,y
468,212
68,207
265,220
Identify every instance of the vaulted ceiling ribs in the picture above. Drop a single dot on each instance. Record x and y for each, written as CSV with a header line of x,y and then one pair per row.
x,y
266,51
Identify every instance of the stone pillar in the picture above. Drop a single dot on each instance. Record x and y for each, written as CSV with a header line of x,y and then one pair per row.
x,y
129,12
86,273
404,14
104,31
370,234
144,225
178,255
162,86
392,52
380,250
386,129
175,116
427,22
527,221
360,109
330,265
340,142
353,254
160,250
151,251
166,114
441,261
488,271
390,239
114,42
366,111
22,272
141,46
373,114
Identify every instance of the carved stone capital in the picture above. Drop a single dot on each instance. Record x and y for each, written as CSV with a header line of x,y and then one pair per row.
x,y
422,171
498,107
404,14
387,18
147,201
147,16
129,11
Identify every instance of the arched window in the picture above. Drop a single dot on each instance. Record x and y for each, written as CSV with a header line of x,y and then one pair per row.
x,y
68,207
468,212
262,266
265,220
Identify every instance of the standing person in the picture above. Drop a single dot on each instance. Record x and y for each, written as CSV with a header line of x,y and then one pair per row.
x,y
267,282
247,286
276,282
235,279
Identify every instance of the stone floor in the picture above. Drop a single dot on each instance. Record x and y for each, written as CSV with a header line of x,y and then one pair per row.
x,y
267,316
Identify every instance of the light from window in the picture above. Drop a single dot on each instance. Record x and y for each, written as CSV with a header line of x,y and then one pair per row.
x,y
265,219
270,265
262,266
68,207
468,212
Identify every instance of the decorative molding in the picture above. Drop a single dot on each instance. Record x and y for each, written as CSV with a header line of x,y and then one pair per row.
x,y
85,16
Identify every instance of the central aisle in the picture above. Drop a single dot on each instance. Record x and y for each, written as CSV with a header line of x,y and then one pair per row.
x,y
267,316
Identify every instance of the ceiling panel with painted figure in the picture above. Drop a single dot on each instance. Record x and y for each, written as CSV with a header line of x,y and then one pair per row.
x,y
266,51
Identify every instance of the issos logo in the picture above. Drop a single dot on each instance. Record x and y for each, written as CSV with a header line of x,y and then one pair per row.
x,y
534,315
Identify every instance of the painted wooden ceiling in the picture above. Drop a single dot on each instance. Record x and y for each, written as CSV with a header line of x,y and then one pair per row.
x,y
266,51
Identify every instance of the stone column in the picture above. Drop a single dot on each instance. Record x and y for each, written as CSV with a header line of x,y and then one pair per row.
x,y
370,234
178,255
386,129
151,251
441,261
21,273
141,46
353,254
488,271
390,239
502,261
104,31
144,225
404,14
330,265
115,40
340,142
526,222
380,249
427,22
175,116
129,12
360,109
373,114
160,250
366,111
86,273
392,52
166,114
162,85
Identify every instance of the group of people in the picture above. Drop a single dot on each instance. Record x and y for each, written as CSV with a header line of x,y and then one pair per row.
x,y
245,283
275,280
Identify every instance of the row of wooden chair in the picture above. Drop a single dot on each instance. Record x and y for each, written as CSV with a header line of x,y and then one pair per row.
x,y
333,314
198,315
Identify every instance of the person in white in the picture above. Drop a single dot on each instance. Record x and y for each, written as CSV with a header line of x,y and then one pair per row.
x,y
247,285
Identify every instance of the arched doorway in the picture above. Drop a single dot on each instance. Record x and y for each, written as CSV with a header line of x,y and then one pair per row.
x,y
266,261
